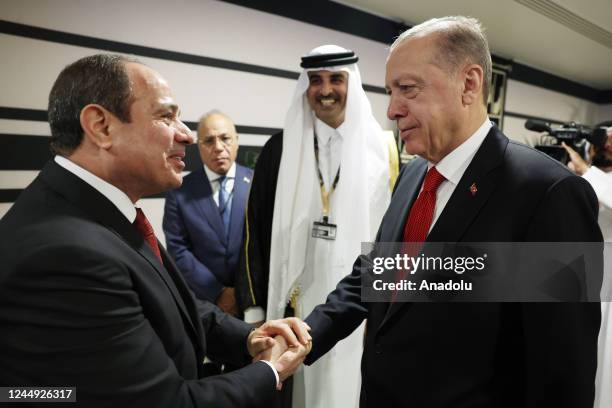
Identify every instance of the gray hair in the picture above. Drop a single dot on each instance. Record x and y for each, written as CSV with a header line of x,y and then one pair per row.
x,y
460,39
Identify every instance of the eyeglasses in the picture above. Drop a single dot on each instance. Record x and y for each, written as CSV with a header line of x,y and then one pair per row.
x,y
211,141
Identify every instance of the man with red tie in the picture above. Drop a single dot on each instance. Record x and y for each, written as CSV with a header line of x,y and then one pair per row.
x,y
470,184
88,297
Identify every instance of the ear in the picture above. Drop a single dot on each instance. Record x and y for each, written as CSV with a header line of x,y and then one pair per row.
x,y
472,84
95,121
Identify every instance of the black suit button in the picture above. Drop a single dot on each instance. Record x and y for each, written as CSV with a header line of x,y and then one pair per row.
x,y
378,348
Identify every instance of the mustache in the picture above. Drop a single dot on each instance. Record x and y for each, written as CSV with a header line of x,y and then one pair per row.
x,y
330,96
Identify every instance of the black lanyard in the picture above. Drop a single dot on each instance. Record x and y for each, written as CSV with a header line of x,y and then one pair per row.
x,y
325,195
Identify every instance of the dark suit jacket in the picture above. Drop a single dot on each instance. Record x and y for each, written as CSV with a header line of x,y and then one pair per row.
x,y
195,236
456,355
84,302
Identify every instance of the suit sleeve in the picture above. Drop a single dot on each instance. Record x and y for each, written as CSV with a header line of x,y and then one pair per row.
x,y
253,275
200,279
107,347
343,310
560,339
340,315
226,336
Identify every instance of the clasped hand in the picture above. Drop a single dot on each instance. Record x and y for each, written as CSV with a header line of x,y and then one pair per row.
x,y
284,342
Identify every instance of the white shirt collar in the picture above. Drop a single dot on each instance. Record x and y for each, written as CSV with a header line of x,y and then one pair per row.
x,y
212,176
112,193
454,164
325,132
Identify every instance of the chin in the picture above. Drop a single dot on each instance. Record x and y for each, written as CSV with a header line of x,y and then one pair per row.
x,y
176,182
414,150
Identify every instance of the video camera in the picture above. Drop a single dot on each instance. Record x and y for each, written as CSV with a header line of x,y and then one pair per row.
x,y
573,134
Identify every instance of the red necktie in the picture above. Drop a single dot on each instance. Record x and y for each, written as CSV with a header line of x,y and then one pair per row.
x,y
422,211
146,230
419,219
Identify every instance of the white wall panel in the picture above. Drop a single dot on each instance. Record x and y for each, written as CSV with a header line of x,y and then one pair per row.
x,y
24,127
17,179
202,27
604,113
250,99
536,101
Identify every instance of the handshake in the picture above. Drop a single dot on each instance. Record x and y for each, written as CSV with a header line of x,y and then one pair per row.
x,y
284,343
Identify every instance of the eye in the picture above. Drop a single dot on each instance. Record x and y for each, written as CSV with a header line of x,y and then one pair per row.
x,y
409,90
168,117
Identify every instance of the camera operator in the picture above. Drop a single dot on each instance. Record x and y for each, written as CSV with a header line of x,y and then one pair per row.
x,y
599,175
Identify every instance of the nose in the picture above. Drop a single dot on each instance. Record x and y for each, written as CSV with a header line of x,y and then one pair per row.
x,y
218,146
608,145
394,110
182,133
326,88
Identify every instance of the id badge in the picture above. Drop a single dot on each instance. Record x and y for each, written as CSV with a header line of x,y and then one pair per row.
x,y
324,229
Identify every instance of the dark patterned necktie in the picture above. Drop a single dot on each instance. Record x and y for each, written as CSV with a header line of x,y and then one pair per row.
x,y
146,230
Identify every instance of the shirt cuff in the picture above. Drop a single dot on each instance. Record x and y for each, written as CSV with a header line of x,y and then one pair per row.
x,y
254,315
275,372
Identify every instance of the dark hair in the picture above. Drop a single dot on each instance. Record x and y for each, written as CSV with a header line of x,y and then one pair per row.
x,y
101,79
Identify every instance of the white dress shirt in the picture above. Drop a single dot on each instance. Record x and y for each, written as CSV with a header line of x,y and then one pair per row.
x,y
215,185
454,164
330,150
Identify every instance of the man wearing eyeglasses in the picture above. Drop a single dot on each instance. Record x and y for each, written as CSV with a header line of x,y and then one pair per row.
x,y
203,219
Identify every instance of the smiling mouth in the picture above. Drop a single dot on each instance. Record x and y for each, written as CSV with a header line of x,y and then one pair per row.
x,y
327,101
177,159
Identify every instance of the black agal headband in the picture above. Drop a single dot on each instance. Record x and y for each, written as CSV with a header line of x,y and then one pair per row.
x,y
329,60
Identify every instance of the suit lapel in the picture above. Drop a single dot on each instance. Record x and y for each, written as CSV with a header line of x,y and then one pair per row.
x,y
86,198
470,195
201,196
185,293
472,192
405,194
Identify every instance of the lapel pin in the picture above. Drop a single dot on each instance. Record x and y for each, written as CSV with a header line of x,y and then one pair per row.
x,y
246,179
473,189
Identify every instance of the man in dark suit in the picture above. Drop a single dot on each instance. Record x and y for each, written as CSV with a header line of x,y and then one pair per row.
x,y
470,184
88,298
204,218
